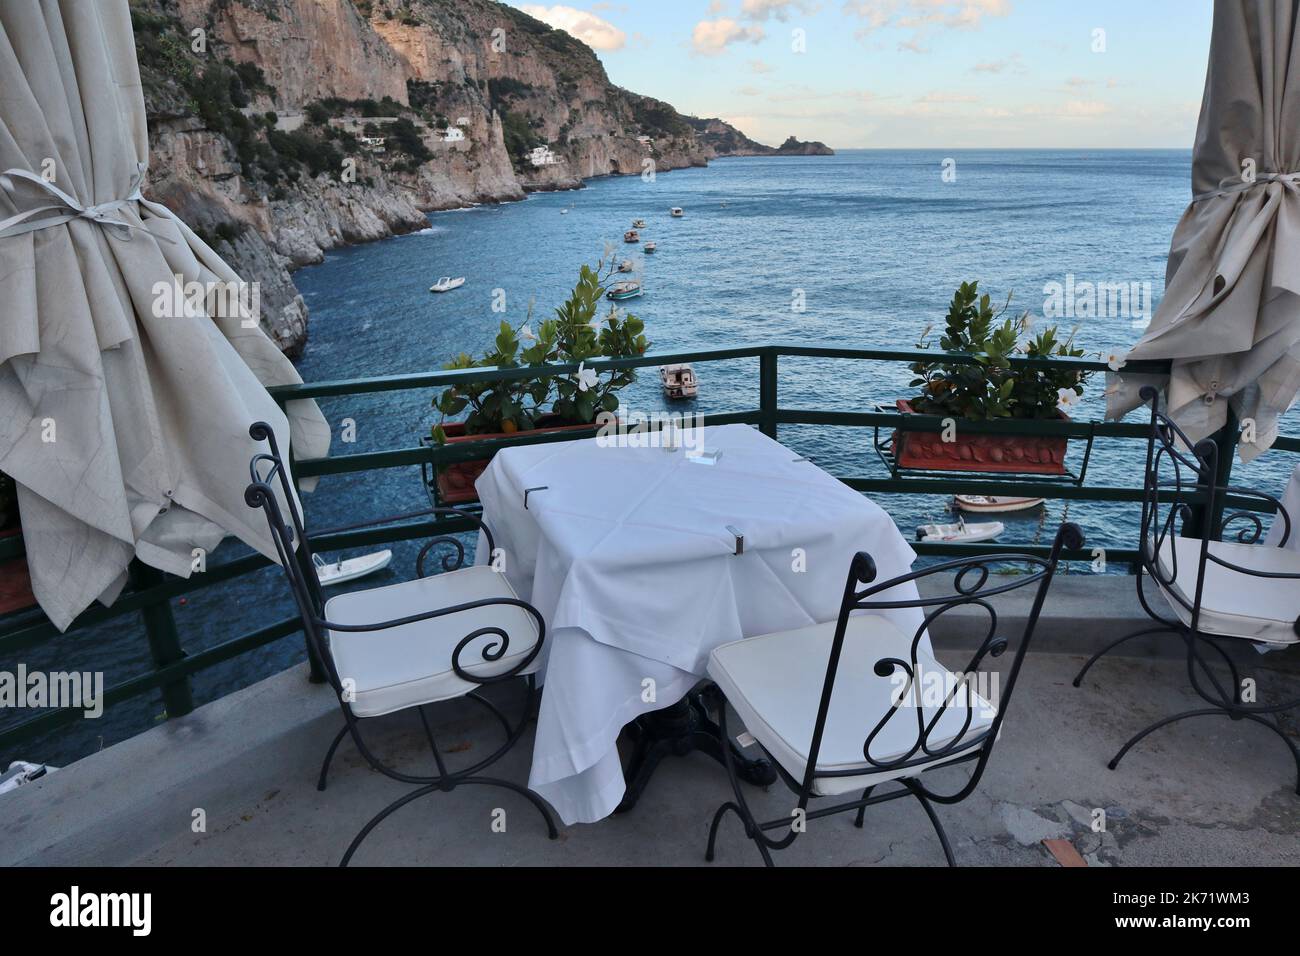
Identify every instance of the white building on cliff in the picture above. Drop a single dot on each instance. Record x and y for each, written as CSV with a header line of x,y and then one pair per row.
x,y
542,156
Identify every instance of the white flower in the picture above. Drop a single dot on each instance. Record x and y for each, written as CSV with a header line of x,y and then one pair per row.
x,y
1066,398
1114,360
594,325
527,333
586,377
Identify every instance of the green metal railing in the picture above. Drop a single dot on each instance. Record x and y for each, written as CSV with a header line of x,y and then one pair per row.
x,y
151,591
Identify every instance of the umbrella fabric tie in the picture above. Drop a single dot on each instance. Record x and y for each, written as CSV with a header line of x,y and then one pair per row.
x,y
1289,179
68,209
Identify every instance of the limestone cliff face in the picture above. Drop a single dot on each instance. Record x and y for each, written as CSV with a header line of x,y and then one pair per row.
x,y
296,126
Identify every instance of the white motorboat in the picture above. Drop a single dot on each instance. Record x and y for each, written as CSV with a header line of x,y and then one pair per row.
x,y
638,223
679,381
21,772
995,504
626,266
651,246
631,236
447,283
677,212
960,533
349,569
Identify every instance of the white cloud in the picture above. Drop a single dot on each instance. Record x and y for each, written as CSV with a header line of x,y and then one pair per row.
x,y
596,32
944,97
760,67
781,9
1085,108
712,37
1074,109
923,16
1012,63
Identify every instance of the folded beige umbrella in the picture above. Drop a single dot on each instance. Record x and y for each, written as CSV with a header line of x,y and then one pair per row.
x,y
123,416
1230,317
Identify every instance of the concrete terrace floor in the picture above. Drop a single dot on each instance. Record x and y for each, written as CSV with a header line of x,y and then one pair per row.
x,y
1200,792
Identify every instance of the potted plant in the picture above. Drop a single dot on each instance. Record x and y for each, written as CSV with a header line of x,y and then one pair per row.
x,y
989,389
541,403
15,580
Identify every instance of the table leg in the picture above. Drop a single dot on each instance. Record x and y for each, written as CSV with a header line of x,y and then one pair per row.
x,y
679,729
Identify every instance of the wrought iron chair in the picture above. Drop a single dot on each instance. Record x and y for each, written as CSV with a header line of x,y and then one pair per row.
x,y
407,645
809,696
1235,590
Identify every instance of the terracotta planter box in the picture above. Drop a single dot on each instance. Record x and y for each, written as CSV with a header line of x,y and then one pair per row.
x,y
15,581
456,481
1018,454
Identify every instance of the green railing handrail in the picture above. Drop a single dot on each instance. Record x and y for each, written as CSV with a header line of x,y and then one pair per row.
x,y
173,666
443,378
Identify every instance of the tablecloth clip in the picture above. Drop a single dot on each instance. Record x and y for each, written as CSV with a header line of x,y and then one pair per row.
x,y
740,539
529,491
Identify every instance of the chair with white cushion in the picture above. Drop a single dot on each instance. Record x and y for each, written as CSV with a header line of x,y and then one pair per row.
x,y
856,703
1220,592
408,645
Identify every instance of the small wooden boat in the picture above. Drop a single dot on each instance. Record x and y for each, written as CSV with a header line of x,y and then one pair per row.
x,y
631,236
21,772
625,290
447,283
351,568
638,223
651,246
677,212
679,381
995,504
960,533
625,266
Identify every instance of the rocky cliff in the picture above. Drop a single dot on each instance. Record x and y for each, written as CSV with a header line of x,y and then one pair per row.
x,y
283,128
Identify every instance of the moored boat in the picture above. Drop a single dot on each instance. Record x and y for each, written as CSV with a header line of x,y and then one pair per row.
x,y
961,532
651,246
625,290
677,212
995,504
625,266
638,223
631,236
679,381
447,283
349,569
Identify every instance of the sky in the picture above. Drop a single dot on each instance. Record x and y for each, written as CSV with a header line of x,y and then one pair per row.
x,y
946,74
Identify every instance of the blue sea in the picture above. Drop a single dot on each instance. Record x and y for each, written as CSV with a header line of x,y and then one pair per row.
x,y
875,242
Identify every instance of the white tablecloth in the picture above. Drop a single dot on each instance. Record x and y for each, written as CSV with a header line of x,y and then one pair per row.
x,y
627,555
1291,502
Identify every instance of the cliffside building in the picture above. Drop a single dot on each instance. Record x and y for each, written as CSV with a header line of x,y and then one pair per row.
x,y
542,156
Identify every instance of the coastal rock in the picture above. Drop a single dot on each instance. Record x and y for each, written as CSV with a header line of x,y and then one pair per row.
x,y
304,125
797,147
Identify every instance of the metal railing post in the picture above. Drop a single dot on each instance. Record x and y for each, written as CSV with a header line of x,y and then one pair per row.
x,y
164,641
767,391
316,673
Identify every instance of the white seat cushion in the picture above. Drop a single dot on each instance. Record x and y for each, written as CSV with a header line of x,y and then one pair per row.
x,y
774,682
1234,604
408,665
